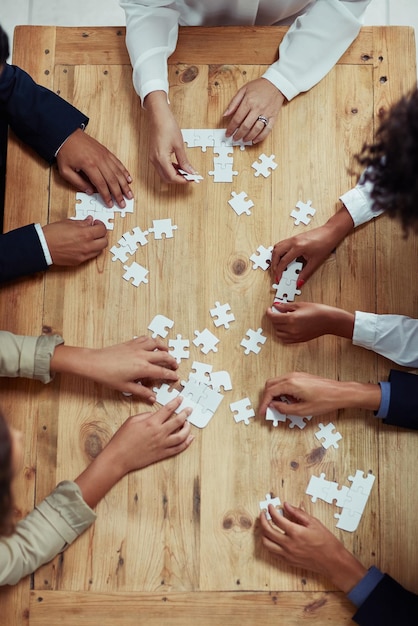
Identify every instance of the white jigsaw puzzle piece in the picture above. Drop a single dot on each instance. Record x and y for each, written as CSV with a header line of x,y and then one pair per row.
x,y
191,177
179,346
265,165
252,341
240,203
223,173
326,433
159,324
206,340
243,410
221,379
304,213
135,272
201,372
162,227
269,500
222,314
134,238
262,258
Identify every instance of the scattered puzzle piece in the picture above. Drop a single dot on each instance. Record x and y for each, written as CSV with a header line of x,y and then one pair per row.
x,y
162,227
274,416
222,315
296,420
269,500
207,340
264,165
262,258
302,215
120,252
136,272
220,379
254,337
241,203
326,433
179,346
243,410
159,324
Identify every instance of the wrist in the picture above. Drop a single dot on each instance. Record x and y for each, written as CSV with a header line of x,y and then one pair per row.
x,y
156,102
340,225
340,322
346,571
72,360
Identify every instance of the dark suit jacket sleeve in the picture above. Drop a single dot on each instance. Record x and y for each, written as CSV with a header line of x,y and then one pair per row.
x,y
389,604
21,253
403,407
38,116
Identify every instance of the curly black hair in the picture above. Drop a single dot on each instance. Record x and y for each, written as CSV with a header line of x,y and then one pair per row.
x,y
4,46
392,162
6,478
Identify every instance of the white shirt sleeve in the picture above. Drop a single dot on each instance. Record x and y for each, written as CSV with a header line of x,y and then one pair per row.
x,y
358,203
393,336
314,43
43,243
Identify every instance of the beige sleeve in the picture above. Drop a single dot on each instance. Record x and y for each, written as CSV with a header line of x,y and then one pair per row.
x,y
54,524
27,357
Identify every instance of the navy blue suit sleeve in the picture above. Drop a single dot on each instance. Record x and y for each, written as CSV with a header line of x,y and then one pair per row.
x,y
38,116
21,253
389,604
403,406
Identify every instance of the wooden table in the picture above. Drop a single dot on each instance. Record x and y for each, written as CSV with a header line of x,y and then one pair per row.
x,y
179,543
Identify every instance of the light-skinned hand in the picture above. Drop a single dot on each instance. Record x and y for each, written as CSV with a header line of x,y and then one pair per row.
x,y
121,366
258,97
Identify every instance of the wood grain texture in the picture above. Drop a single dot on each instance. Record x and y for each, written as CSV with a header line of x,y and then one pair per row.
x,y
175,542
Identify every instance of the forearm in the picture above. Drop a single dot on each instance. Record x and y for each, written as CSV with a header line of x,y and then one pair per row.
x,y
339,322
100,476
354,395
72,360
345,571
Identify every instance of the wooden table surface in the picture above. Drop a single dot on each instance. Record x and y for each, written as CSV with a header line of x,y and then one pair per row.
x,y
178,543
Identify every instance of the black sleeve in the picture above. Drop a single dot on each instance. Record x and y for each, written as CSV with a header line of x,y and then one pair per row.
x,y
389,604
38,116
403,406
21,253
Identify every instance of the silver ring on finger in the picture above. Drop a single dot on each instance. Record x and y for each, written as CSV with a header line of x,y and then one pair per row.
x,y
263,119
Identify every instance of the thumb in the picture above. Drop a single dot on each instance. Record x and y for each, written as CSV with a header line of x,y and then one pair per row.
x,y
183,161
283,307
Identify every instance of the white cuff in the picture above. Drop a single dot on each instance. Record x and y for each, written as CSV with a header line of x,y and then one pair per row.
x,y
44,244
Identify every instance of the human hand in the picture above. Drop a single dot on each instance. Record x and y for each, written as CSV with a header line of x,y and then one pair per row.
x,y
258,97
72,242
303,541
303,321
81,154
143,439
303,394
120,366
166,140
314,246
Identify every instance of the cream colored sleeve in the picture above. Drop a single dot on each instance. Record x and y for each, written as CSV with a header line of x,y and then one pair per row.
x,y
53,525
27,357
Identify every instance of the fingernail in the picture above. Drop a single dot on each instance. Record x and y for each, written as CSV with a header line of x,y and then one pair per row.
x,y
153,399
130,195
300,283
129,179
89,191
277,279
123,204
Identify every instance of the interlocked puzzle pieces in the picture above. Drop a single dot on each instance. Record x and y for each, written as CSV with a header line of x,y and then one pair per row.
x,y
326,433
240,203
262,258
352,500
275,416
286,288
94,205
210,138
203,400
223,172
264,165
222,315
193,177
302,215
243,410
269,500
254,337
